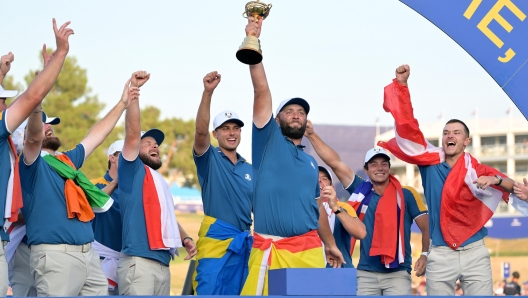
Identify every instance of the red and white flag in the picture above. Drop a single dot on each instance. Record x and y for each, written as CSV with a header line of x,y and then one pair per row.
x,y
465,208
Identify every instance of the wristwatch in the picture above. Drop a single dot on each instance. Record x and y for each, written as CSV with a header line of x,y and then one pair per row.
x,y
500,179
339,210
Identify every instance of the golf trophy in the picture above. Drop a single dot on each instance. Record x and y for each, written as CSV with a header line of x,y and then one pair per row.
x,y
250,52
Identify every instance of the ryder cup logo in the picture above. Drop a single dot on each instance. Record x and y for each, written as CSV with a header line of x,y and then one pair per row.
x,y
228,114
248,177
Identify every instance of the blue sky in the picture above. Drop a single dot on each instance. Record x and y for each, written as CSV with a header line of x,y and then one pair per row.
x,y
337,54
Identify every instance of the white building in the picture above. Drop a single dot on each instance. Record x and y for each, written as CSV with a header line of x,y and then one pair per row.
x,y
501,143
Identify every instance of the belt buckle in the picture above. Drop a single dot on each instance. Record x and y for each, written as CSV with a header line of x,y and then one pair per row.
x,y
84,247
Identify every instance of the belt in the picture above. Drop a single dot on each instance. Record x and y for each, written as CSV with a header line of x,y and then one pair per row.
x,y
465,247
62,247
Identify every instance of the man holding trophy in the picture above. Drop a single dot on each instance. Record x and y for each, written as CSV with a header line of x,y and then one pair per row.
x,y
290,221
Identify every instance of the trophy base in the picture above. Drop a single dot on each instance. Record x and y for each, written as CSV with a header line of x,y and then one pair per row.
x,y
249,56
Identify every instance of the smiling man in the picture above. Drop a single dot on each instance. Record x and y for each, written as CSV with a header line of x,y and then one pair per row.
x,y
227,187
290,220
461,195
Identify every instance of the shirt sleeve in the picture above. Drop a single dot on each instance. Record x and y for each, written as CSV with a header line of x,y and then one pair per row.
x,y
202,161
259,140
4,131
76,155
126,171
355,183
28,173
414,204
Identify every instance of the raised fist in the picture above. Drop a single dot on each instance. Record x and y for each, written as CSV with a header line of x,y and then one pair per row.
x,y
6,61
139,78
253,27
402,74
211,80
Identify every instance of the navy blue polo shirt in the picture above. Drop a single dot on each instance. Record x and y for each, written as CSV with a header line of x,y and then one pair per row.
x,y
135,240
227,188
43,194
433,180
107,225
285,184
414,207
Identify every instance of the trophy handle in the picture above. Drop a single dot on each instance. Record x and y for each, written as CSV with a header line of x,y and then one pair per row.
x,y
269,6
244,15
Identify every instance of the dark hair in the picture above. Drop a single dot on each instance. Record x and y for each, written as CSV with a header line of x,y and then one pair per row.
x,y
365,166
515,274
466,129
327,175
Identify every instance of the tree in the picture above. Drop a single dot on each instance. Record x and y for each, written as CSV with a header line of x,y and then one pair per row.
x,y
71,100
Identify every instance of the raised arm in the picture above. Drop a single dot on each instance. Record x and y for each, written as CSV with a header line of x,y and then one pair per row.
x,y
98,133
329,156
132,117
202,138
355,227
20,109
262,105
5,65
33,136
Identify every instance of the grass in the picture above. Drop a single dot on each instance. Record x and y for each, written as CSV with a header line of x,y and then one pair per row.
x,y
513,251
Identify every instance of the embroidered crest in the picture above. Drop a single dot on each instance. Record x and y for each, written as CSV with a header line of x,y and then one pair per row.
x,y
248,177
228,114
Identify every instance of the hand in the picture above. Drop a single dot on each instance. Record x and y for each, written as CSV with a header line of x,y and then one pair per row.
x,y
334,256
139,78
328,192
6,61
309,129
45,56
520,190
61,36
211,80
483,182
420,265
253,27
190,247
402,74
129,94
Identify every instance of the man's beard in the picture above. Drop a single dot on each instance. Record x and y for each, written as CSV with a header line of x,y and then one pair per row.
x,y
292,133
145,158
51,143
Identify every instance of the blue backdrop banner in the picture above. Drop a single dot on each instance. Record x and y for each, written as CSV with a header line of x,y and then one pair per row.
x,y
493,32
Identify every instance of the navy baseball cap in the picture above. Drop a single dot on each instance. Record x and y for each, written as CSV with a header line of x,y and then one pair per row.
x,y
155,133
50,120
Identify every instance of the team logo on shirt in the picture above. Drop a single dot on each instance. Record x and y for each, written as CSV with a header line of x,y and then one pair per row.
x,y
312,165
248,177
228,114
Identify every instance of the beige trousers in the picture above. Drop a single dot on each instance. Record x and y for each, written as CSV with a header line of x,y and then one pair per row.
x,y
470,264
22,282
67,270
139,276
371,283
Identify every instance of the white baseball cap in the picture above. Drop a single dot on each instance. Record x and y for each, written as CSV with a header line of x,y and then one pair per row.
x,y
296,100
7,93
116,146
325,170
226,116
376,151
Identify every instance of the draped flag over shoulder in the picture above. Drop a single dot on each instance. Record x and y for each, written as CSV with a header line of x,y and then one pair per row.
x,y
162,227
82,197
14,191
388,236
463,204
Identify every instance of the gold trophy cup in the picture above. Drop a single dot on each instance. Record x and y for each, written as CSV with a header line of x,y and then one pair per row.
x,y
250,51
